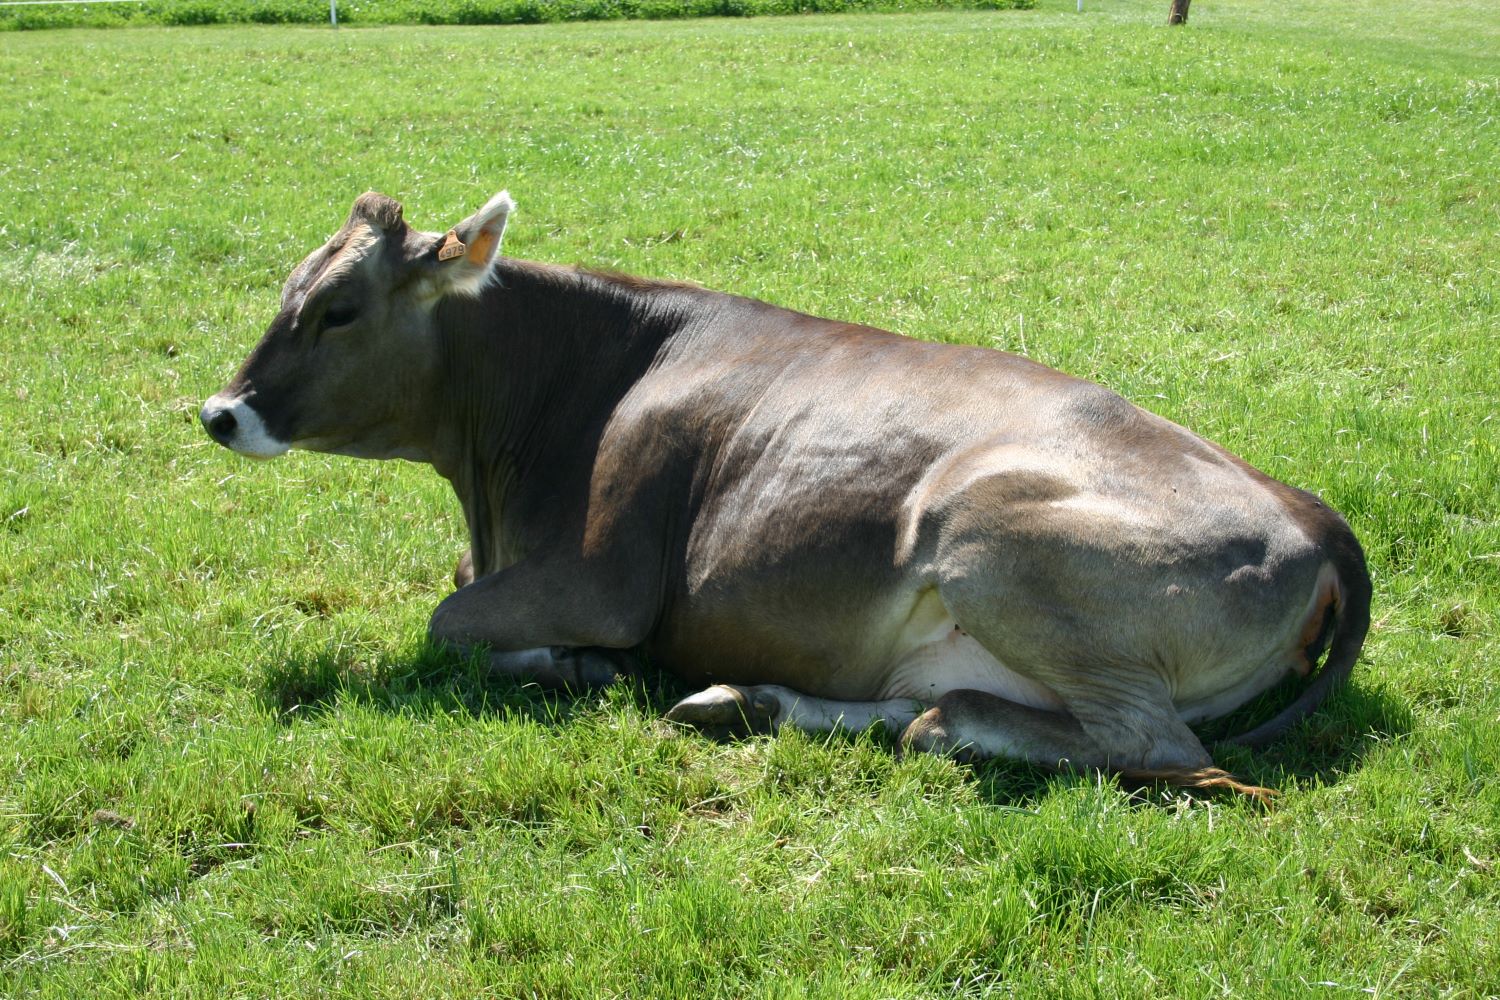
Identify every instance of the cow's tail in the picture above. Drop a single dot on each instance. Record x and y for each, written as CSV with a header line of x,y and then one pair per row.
x,y
1348,615
1202,779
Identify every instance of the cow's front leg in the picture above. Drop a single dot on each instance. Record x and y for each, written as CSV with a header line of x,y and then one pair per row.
x,y
463,573
543,624
561,668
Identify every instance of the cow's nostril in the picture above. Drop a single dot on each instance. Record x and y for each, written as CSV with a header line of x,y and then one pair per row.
x,y
220,424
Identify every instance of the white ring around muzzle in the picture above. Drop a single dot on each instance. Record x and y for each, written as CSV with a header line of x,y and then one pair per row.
x,y
235,424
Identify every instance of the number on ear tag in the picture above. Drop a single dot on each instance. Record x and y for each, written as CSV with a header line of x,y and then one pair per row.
x,y
452,247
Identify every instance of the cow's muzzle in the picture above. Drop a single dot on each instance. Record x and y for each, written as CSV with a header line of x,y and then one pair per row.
x,y
235,424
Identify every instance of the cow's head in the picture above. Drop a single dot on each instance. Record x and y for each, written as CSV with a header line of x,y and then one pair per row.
x,y
349,361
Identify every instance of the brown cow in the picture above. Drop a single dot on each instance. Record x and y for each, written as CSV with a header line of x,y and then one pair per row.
x,y
824,524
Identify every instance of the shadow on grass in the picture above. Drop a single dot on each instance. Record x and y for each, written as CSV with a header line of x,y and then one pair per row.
x,y
1321,749
1327,745
432,679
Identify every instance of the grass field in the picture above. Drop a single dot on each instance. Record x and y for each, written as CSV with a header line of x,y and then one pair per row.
x,y
229,767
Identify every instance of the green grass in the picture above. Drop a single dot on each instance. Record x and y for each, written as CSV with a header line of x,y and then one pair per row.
x,y
361,12
230,768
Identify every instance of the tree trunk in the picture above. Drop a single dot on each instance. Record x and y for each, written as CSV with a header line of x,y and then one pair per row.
x,y
1179,11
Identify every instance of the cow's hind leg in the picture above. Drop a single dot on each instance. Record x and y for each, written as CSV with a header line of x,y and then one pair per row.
x,y
975,725
731,710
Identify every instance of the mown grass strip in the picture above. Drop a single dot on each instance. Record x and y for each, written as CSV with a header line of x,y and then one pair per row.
x,y
366,12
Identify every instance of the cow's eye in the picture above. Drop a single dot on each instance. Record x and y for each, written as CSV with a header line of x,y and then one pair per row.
x,y
337,316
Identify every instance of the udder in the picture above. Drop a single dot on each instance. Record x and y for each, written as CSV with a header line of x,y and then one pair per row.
x,y
948,659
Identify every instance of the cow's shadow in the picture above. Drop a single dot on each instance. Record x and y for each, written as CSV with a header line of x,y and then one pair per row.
x,y
1322,748
428,680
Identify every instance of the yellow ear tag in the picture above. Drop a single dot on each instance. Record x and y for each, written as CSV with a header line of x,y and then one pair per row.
x,y
452,247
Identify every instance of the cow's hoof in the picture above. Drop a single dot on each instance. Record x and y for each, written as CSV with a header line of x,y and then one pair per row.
x,y
586,668
929,733
726,710
558,668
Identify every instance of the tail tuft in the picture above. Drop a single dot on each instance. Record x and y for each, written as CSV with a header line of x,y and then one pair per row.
x,y
1200,778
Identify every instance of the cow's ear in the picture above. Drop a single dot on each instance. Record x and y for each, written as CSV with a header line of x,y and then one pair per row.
x,y
466,254
375,209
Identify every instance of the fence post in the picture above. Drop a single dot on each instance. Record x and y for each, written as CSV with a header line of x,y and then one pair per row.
x,y
333,12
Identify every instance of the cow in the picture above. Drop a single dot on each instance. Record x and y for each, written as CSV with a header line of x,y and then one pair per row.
x,y
819,524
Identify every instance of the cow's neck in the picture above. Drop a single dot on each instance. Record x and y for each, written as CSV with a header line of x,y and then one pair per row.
x,y
533,369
